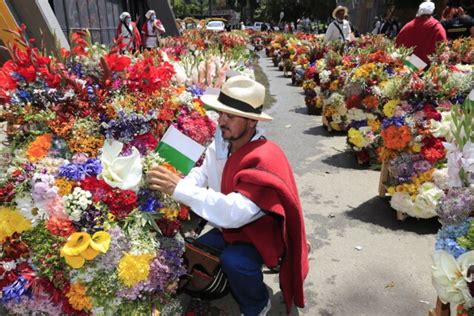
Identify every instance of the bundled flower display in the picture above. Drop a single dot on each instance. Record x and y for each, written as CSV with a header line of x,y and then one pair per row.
x,y
80,232
453,260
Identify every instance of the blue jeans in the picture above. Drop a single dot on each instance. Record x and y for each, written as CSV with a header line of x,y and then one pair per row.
x,y
242,264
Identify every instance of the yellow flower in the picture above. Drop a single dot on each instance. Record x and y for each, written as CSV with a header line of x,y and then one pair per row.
x,y
81,247
416,148
169,213
134,268
389,107
64,186
78,298
356,138
333,86
374,124
12,222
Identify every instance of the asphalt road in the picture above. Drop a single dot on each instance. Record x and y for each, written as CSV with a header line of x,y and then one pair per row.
x,y
363,261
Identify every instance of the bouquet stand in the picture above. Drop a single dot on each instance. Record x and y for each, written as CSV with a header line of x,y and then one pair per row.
x,y
384,175
440,309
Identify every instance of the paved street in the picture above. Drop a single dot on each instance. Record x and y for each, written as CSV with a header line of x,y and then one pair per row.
x,y
390,274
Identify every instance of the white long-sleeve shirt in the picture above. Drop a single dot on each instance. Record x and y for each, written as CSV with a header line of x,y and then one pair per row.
x,y
333,34
200,190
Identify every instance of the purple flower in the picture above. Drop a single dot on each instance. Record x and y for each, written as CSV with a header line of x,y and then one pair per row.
x,y
92,167
455,206
421,166
196,91
148,201
72,171
397,121
15,290
126,126
358,124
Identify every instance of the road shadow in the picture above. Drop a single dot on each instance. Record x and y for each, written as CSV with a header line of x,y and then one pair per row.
x,y
377,211
321,130
346,160
300,110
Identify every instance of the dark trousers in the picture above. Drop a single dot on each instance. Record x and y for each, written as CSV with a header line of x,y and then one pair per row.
x,y
242,264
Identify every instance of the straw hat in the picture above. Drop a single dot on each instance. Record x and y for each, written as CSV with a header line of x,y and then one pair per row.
x,y
149,13
339,8
239,96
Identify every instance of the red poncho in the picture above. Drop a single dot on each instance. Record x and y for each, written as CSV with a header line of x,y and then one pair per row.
x,y
261,172
422,33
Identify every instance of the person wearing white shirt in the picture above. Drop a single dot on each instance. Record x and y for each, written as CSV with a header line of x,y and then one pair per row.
x,y
212,191
339,29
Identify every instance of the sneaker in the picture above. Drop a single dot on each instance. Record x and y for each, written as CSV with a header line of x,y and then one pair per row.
x,y
265,310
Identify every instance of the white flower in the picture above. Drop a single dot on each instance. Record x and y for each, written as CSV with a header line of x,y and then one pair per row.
x,y
180,73
467,159
444,127
355,114
449,277
25,204
8,265
454,165
426,201
402,202
120,172
324,76
77,202
441,178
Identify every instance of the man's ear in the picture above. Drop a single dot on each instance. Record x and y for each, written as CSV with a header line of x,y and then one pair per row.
x,y
253,123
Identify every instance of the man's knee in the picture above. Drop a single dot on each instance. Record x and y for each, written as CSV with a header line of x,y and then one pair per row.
x,y
238,260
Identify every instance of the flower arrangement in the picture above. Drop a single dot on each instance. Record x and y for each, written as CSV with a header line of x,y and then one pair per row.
x,y
80,231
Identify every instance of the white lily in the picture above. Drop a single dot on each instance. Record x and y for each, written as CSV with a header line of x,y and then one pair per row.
x,y
468,157
449,277
454,164
120,172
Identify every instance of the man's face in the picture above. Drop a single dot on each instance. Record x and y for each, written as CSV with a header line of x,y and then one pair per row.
x,y
234,127
340,14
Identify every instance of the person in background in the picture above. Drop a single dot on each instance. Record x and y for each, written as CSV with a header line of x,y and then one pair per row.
x,y
422,33
151,30
377,25
127,34
339,29
242,26
354,30
456,22
246,189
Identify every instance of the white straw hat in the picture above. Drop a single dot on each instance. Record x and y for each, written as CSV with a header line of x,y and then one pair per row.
x,y
339,8
239,96
149,13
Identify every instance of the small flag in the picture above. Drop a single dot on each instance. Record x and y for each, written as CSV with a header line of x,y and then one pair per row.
x,y
179,150
415,63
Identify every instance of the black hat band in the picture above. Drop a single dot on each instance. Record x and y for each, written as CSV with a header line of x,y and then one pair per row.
x,y
237,104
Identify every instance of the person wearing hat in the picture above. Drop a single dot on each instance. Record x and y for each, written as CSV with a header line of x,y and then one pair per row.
x,y
422,33
151,30
127,34
339,29
456,22
246,189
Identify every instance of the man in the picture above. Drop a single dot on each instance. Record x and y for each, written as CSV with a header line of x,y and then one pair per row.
x,y
422,33
246,188
339,29
151,30
455,21
127,34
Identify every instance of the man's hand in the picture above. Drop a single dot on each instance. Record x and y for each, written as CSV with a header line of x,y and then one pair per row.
x,y
163,180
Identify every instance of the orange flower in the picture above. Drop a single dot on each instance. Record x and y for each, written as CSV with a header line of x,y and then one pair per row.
x,y
396,137
64,186
371,102
39,148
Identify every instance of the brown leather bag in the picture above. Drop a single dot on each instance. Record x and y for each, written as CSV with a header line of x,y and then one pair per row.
x,y
204,276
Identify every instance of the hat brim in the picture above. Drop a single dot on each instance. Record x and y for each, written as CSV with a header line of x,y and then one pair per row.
x,y
346,11
211,101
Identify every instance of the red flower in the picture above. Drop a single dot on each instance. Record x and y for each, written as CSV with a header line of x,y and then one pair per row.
x,y
64,53
60,227
8,279
147,77
98,188
431,113
354,101
121,202
433,149
7,192
52,78
168,228
29,73
183,214
13,248
6,81
117,62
